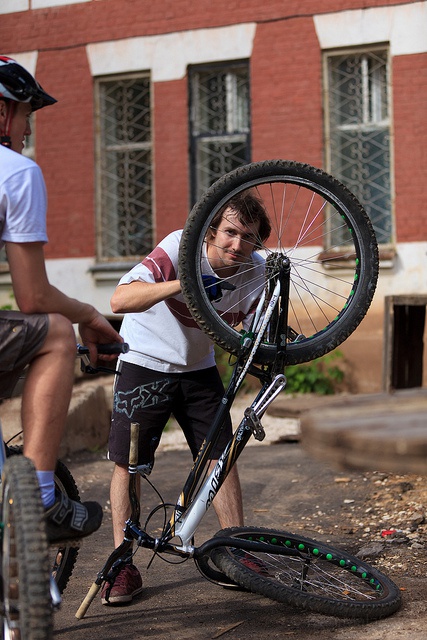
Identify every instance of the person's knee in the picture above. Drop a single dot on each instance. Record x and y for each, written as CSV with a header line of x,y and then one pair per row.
x,y
61,336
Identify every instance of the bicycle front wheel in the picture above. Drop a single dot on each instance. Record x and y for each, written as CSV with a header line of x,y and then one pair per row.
x,y
324,232
63,556
307,574
25,580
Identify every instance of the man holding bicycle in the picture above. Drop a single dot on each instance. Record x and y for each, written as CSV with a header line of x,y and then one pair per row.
x,y
40,335
170,367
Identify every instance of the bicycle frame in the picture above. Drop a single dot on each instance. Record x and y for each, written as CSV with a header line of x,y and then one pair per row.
x,y
198,493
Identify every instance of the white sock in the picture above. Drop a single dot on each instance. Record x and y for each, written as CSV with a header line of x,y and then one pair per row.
x,y
47,487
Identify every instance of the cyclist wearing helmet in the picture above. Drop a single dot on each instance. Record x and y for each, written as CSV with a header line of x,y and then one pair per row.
x,y
40,334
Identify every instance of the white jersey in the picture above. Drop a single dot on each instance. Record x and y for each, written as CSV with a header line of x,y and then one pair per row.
x,y
165,337
22,199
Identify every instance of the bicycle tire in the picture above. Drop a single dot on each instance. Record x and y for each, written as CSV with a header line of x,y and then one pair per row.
x,y
317,578
210,572
330,243
63,556
25,579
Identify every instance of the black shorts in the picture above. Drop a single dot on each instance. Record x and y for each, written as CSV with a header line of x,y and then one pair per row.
x,y
21,337
151,397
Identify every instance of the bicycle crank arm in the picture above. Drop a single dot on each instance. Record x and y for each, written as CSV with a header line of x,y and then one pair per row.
x,y
90,596
254,412
113,561
272,391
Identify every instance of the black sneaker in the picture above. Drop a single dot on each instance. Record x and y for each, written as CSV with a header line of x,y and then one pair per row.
x,y
67,519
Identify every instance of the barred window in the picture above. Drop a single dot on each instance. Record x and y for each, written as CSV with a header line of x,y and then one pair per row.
x,y
124,168
358,127
219,122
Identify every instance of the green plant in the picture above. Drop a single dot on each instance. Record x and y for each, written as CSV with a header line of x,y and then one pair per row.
x,y
8,307
321,376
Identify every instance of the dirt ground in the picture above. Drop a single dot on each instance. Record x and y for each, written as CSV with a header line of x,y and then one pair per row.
x,y
379,516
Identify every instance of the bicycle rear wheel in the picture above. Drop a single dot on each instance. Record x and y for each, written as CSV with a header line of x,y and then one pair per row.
x,y
314,577
322,229
25,576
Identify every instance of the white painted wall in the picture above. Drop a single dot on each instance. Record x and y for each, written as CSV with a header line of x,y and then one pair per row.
x,y
12,6
403,26
154,53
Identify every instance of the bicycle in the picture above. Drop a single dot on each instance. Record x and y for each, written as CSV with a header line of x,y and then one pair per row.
x,y
33,574
298,318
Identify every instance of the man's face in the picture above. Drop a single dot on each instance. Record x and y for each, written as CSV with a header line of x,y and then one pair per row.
x,y
20,126
231,244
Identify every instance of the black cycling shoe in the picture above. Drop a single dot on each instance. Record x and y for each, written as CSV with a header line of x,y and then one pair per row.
x,y
67,519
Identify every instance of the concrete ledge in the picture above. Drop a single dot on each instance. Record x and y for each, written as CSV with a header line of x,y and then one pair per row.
x,y
88,421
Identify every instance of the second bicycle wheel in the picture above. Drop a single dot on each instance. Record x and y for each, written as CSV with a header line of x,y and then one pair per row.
x,y
307,574
25,576
64,554
318,225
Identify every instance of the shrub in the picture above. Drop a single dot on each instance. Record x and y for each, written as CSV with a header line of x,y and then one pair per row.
x,y
322,376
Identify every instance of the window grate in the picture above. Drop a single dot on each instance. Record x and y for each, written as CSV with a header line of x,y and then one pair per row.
x,y
219,123
124,168
358,122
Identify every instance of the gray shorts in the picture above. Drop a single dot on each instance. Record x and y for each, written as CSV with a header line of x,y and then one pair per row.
x,y
151,397
21,337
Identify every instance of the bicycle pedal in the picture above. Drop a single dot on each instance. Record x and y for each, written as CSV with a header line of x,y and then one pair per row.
x,y
254,423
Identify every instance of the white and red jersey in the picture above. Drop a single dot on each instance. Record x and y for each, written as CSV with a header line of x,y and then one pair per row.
x,y
165,337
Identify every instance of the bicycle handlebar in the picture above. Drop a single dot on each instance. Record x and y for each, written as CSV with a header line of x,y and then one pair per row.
x,y
107,349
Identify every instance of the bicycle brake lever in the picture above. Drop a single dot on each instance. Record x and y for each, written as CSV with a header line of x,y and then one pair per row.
x,y
86,367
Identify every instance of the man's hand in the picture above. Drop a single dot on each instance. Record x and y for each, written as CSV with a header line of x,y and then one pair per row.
x,y
214,286
98,331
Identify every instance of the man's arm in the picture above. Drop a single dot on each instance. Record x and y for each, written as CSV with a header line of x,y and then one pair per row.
x,y
139,296
34,294
32,289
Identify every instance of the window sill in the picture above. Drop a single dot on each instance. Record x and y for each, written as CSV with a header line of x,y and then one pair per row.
x,y
333,259
110,271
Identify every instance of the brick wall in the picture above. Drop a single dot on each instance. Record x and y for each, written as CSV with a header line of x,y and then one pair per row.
x,y
286,103
171,142
65,138
286,92
410,146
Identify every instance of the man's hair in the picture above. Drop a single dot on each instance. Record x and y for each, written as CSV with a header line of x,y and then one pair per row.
x,y
249,209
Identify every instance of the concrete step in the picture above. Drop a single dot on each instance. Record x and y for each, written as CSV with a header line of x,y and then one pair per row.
x,y
88,421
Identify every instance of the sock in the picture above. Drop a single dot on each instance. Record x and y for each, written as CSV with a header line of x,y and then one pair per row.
x,y
47,487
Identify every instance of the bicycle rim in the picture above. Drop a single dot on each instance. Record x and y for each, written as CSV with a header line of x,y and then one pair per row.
x,y
322,229
316,577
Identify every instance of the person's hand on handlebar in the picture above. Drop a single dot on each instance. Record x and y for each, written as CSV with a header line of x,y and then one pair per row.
x,y
98,331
